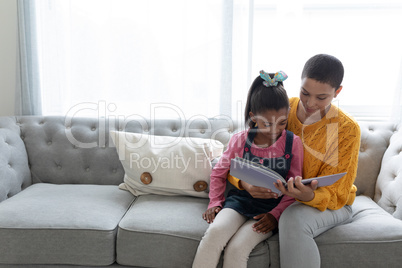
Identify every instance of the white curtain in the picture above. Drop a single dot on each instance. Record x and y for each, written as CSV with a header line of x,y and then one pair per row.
x,y
185,58
27,92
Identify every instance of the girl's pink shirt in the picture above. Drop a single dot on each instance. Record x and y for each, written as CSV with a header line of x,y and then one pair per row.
x,y
235,148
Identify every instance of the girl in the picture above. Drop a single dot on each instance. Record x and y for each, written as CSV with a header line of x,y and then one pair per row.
x,y
242,221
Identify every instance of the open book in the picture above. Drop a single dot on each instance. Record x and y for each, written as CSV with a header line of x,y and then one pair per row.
x,y
258,175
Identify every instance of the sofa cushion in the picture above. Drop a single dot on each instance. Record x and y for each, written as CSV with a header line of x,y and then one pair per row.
x,y
62,224
14,169
372,239
157,228
166,165
164,231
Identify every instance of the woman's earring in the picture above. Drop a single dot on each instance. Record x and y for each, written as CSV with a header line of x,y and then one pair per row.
x,y
255,124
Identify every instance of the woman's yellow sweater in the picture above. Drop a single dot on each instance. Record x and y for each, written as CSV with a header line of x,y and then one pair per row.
x,y
331,146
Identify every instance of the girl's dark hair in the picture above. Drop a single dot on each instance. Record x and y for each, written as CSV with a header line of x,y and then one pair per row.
x,y
324,69
261,98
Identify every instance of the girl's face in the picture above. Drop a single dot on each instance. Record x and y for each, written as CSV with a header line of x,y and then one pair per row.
x,y
271,123
316,97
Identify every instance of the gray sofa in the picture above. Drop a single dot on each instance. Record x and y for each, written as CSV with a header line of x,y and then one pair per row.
x,y
60,204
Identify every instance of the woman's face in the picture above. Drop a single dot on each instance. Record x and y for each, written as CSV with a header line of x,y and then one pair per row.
x,y
316,96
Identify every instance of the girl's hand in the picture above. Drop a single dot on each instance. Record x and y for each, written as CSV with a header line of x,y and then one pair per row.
x,y
258,192
267,223
209,214
297,189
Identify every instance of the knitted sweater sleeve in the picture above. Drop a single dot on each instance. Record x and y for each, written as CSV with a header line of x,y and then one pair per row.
x,y
341,156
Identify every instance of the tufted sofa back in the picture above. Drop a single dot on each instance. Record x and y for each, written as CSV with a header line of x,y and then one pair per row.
x,y
388,191
374,142
379,173
77,150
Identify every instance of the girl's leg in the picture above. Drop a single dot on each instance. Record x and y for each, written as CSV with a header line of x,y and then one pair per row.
x,y
226,223
242,243
298,225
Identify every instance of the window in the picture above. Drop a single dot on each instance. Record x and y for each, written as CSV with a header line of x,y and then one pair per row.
x,y
131,57
189,58
364,35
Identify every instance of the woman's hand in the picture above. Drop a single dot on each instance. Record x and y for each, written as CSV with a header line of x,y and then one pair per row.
x,y
267,223
209,214
297,189
258,192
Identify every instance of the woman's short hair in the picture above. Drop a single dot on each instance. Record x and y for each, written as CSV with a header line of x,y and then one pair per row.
x,y
324,69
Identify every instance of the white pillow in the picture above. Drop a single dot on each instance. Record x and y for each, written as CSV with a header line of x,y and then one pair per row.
x,y
165,165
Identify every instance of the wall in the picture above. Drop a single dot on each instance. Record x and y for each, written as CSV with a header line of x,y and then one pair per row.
x,y
8,55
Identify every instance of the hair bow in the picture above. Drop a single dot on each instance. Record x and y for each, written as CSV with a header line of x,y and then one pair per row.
x,y
273,82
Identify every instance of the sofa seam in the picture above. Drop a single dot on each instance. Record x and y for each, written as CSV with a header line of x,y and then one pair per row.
x,y
360,242
159,233
57,229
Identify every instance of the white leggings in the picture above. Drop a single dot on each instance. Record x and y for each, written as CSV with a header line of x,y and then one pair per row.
x,y
233,230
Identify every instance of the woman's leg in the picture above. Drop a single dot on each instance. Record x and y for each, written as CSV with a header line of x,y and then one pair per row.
x,y
298,225
226,223
241,244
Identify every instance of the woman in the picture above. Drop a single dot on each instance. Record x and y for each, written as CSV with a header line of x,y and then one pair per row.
x,y
331,141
